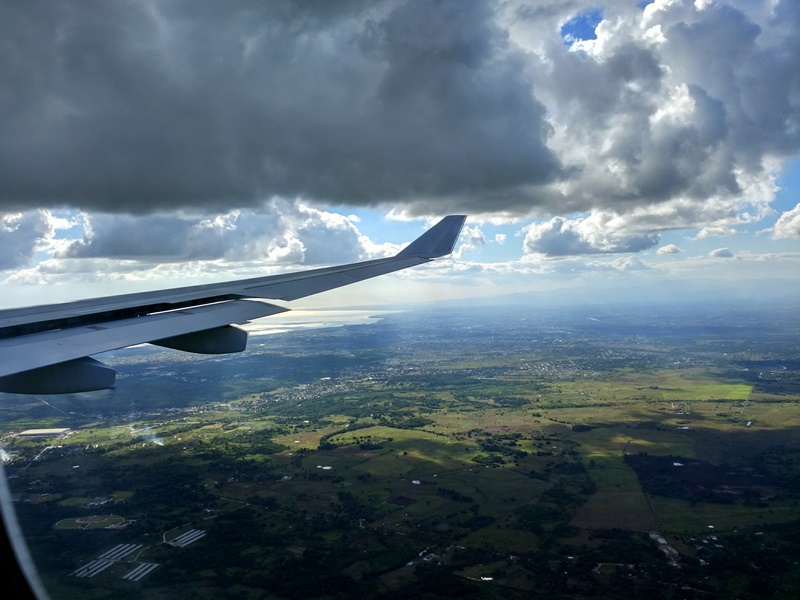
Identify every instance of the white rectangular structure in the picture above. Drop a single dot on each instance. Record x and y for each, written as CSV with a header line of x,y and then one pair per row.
x,y
187,538
93,568
140,571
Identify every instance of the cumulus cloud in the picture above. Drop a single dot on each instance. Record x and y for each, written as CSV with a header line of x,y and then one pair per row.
x,y
721,253
172,125
645,124
280,233
471,238
629,263
596,234
140,107
482,108
718,231
21,234
668,249
788,225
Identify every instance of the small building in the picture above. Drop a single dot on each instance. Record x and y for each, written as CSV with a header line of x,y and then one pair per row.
x,y
44,432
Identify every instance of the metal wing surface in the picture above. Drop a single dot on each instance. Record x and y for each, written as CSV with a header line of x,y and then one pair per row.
x,y
45,349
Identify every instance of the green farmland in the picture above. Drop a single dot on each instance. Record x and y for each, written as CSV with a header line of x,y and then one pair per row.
x,y
513,472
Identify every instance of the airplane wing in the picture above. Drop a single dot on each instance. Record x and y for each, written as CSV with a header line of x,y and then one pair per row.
x,y
46,349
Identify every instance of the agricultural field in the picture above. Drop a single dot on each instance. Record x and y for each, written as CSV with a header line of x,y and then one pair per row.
x,y
586,454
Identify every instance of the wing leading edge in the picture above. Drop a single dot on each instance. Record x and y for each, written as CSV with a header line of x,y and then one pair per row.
x,y
45,349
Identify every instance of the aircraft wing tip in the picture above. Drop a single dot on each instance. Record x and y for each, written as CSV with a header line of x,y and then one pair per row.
x,y
438,241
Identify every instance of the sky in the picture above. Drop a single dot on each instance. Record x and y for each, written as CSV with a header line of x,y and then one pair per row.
x,y
604,151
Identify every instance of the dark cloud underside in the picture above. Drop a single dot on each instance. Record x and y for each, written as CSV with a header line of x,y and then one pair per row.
x,y
139,107
149,107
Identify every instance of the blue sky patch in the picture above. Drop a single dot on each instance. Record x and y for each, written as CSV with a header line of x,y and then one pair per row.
x,y
582,26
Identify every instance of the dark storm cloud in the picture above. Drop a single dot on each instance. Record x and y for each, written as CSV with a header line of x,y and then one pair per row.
x,y
139,107
123,237
677,114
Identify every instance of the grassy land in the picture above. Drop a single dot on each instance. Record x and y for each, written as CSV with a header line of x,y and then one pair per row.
x,y
516,466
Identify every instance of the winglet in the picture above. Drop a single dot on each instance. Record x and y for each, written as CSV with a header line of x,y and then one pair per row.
x,y
438,240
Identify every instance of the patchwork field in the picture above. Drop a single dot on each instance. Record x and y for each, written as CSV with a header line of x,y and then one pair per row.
x,y
506,473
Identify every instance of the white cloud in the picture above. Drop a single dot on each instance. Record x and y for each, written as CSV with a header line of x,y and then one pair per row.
x,y
280,233
668,249
653,131
443,108
788,225
599,233
721,253
718,231
629,263
471,239
173,135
